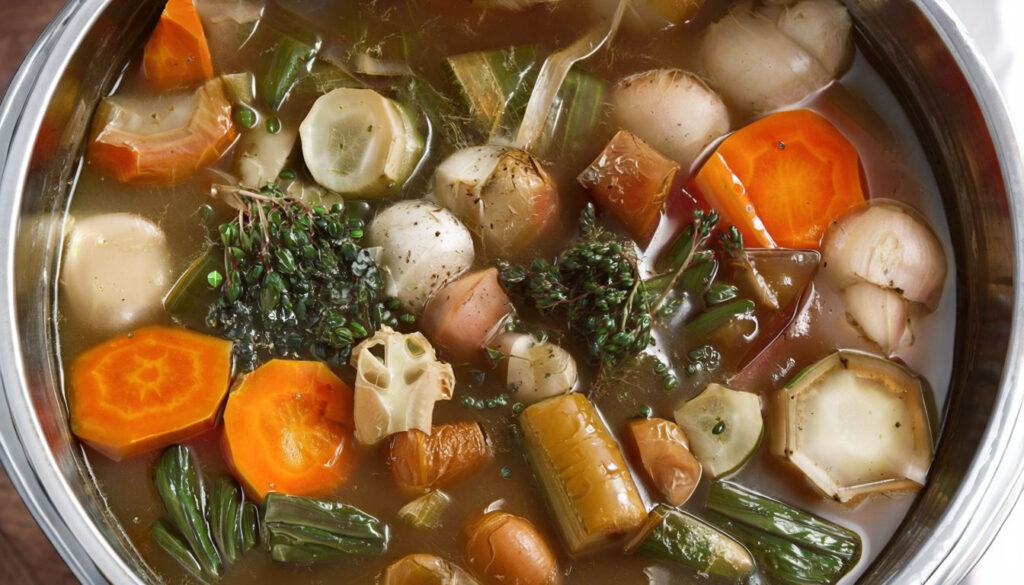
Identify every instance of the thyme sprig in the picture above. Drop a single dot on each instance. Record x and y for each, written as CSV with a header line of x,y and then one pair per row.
x,y
597,283
295,280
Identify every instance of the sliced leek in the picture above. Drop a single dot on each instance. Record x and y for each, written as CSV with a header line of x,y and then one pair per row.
x,y
582,472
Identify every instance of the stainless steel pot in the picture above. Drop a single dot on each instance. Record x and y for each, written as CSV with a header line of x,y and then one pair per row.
x,y
979,467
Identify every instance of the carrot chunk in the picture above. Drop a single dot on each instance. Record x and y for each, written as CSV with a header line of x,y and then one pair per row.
x,y
632,181
148,389
288,428
177,54
783,179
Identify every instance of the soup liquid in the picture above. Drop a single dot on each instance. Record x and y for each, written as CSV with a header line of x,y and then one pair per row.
x,y
861,105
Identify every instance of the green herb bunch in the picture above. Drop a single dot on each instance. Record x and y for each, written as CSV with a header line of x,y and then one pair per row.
x,y
597,283
296,281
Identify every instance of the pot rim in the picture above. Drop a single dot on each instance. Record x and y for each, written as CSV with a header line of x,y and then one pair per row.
x,y
992,484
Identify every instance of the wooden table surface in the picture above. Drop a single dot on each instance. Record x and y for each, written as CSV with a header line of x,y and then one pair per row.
x,y
25,555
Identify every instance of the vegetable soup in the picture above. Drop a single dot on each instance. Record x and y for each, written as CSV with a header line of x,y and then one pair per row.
x,y
505,291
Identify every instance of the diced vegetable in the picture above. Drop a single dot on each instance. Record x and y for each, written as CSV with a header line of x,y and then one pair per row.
x,y
791,546
358,142
423,247
261,155
665,455
465,315
398,380
229,25
672,110
420,461
890,246
177,54
147,389
116,269
503,548
783,179
288,428
240,89
496,86
425,511
304,530
673,535
582,472
535,370
423,569
724,427
503,195
882,315
762,58
161,141
597,283
855,424
632,181
180,487
290,60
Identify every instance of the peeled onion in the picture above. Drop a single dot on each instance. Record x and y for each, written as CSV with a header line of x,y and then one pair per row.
x,y
536,370
672,110
761,59
882,315
503,194
423,246
889,246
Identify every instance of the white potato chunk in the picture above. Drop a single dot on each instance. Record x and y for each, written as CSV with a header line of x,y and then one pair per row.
x,y
116,269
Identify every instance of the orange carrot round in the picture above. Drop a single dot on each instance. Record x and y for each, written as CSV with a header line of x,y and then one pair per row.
x,y
177,54
783,179
148,389
288,428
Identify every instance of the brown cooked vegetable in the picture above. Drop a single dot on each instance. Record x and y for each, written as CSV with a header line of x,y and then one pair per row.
x,y
665,455
582,472
423,569
505,549
465,314
420,462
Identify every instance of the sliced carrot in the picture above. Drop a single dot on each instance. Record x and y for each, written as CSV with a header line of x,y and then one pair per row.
x,y
288,428
177,54
465,314
632,181
152,143
783,179
148,389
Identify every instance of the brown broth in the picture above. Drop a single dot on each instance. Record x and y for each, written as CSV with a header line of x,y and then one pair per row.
x,y
861,105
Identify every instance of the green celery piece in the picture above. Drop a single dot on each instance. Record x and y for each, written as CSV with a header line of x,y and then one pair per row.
x,y
300,530
785,562
168,538
250,526
496,86
721,292
673,535
699,276
177,481
775,518
192,285
714,318
290,60
225,517
576,112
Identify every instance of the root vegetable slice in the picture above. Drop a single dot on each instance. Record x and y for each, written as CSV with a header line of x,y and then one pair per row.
x,y
665,455
116,270
464,315
582,472
177,54
535,370
855,424
163,140
148,389
632,181
724,427
288,428
358,142
503,548
420,461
